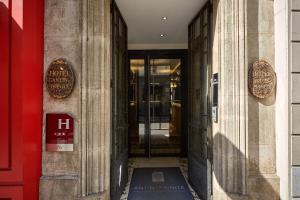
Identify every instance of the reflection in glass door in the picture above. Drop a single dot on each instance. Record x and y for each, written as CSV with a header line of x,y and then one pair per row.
x,y
155,105
165,106
137,107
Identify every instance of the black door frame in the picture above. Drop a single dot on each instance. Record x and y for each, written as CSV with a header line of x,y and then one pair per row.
x,y
164,54
119,109
209,142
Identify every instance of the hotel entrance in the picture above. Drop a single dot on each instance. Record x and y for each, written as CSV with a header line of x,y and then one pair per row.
x,y
157,91
158,100
160,106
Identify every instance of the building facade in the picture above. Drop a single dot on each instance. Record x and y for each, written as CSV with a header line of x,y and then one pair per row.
x,y
252,148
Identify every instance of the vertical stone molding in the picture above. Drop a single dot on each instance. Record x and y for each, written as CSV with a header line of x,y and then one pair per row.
x,y
96,108
79,31
230,140
244,139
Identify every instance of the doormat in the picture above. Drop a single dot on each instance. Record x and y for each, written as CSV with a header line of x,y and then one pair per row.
x,y
158,184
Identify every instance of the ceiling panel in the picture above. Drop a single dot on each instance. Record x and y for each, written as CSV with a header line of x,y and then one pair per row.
x,y
145,24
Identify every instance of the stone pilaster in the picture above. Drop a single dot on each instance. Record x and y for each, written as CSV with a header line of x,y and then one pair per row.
x,y
62,38
263,182
80,32
95,156
244,138
230,137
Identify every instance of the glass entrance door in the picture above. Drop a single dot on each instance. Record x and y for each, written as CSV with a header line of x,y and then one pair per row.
x,y
165,106
138,114
155,105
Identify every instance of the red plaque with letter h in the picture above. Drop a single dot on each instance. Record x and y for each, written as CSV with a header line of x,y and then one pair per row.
x,y
59,132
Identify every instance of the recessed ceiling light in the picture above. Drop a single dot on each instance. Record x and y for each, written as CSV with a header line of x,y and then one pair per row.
x,y
162,35
164,18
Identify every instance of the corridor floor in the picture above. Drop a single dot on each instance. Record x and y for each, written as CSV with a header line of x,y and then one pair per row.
x,y
157,162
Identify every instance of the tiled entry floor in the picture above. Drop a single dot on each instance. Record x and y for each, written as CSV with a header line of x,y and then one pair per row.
x,y
157,162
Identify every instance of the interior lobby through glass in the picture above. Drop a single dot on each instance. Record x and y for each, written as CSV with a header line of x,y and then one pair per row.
x,y
155,106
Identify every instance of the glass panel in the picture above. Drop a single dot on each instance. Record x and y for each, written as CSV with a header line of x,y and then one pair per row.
x,y
204,87
197,27
137,112
120,28
205,16
196,86
205,45
165,106
205,31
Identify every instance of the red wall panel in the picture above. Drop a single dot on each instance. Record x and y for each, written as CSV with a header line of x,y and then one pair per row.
x,y
4,84
11,192
21,64
32,70
11,128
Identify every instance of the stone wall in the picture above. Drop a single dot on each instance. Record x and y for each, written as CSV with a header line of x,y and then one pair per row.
x,y
244,138
79,31
62,38
294,49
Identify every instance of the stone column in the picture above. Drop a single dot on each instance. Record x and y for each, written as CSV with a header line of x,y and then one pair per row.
x,y
79,31
96,98
244,138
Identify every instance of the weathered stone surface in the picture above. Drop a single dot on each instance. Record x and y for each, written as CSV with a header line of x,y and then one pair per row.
x,y
295,88
295,118
79,31
295,4
100,196
63,18
61,40
295,150
264,187
230,152
58,187
244,140
295,28
96,98
295,59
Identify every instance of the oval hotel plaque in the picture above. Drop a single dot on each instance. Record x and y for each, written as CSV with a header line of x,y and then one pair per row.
x,y
261,79
60,79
